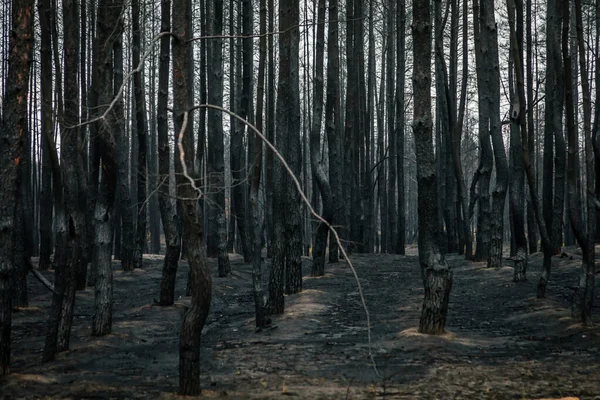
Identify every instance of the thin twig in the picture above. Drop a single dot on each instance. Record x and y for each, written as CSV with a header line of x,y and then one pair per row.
x,y
306,201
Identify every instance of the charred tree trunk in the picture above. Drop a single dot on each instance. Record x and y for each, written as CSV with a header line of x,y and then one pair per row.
x,y
286,206
520,86
215,159
391,128
200,280
270,131
437,276
45,17
489,36
400,81
319,175
517,177
585,291
13,133
237,154
531,224
255,174
288,123
168,212
332,123
139,92
109,22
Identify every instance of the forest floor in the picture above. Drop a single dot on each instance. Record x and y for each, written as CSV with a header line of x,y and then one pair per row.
x,y
501,341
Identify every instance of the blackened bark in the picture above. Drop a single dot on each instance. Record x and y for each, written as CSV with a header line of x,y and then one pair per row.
x,y
484,170
437,276
531,224
109,20
71,165
332,122
193,221
554,143
491,74
270,116
237,155
45,17
286,206
517,176
584,296
400,81
255,175
126,206
12,133
318,173
139,89
391,128
168,212
546,244
215,158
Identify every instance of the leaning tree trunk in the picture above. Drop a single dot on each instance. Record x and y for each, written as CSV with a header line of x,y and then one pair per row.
x,y
531,181
437,276
12,133
168,212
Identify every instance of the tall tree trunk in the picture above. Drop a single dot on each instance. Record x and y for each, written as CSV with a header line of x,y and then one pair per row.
x,y
109,22
126,206
270,130
287,248
13,133
490,70
391,128
200,279
531,224
554,142
215,159
400,81
288,123
168,212
45,17
255,174
332,123
237,148
585,291
318,173
546,243
437,276
448,179
517,177
139,92
484,171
